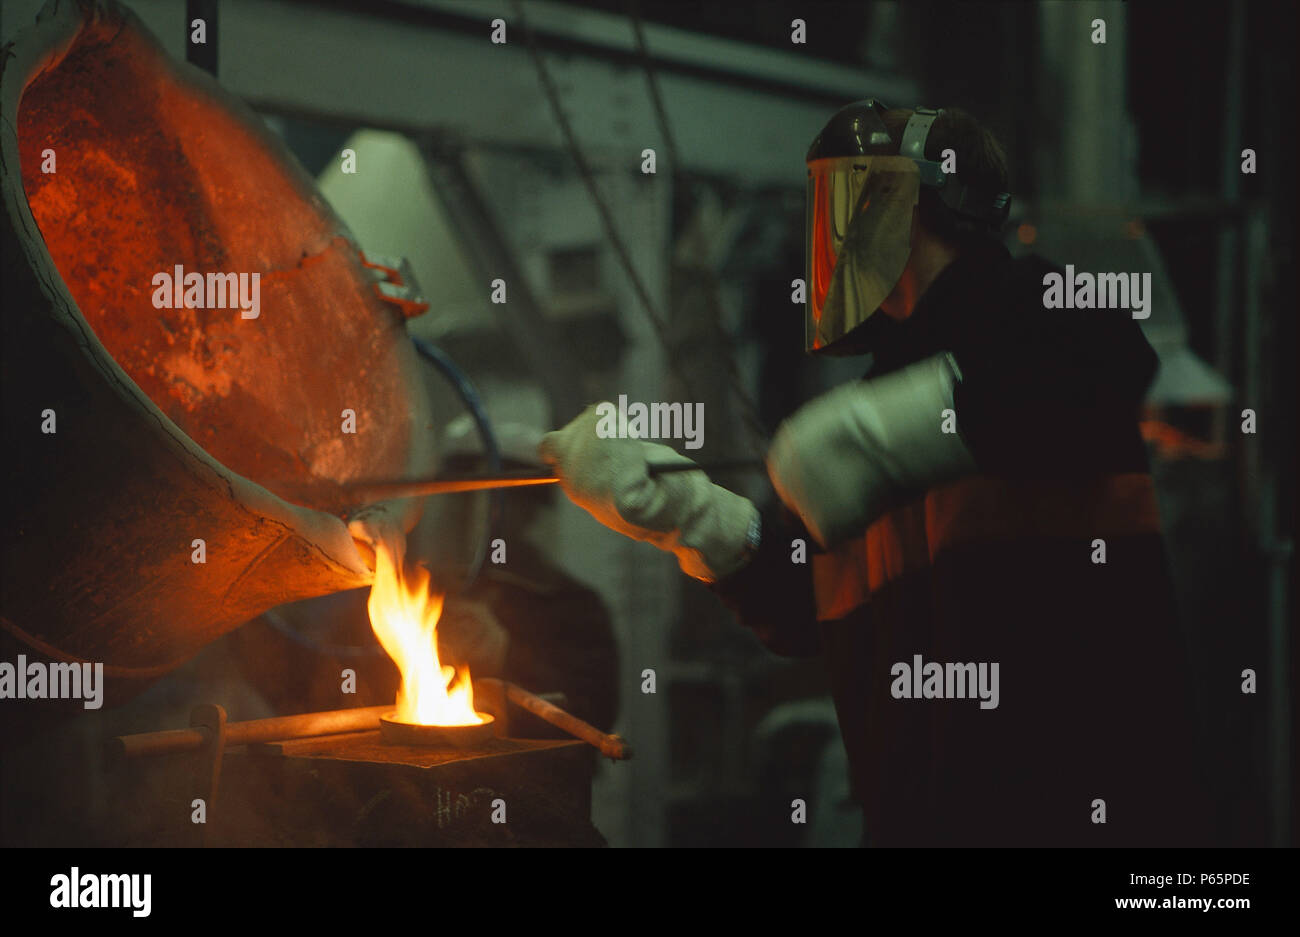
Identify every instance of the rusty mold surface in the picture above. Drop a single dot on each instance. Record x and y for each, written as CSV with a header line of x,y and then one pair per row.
x,y
175,418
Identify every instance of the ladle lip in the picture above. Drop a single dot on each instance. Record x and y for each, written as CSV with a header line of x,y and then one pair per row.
x,y
407,733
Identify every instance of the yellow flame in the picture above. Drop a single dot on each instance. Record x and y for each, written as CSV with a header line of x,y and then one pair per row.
x,y
404,617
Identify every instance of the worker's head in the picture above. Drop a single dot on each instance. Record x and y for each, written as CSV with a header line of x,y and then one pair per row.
x,y
893,197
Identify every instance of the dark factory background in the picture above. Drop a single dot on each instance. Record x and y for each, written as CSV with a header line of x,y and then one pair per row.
x,y
1125,156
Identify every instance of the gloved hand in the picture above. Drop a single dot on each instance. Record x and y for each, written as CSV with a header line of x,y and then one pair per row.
x,y
841,458
706,526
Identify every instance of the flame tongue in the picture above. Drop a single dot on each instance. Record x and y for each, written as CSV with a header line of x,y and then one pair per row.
x,y
404,616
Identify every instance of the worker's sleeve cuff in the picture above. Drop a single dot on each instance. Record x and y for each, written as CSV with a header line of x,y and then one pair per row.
x,y
772,593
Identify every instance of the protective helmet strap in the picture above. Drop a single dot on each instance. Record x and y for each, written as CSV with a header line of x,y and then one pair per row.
x,y
971,203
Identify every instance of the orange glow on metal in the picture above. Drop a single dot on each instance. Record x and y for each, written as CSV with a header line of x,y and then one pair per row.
x,y
152,173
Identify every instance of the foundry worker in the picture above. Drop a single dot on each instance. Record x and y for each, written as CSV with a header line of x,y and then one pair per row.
x,y
985,575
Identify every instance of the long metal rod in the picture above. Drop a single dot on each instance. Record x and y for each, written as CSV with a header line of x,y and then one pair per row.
x,y
384,491
370,492
310,725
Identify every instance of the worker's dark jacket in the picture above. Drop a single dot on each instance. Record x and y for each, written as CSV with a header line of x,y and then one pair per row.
x,y
1005,567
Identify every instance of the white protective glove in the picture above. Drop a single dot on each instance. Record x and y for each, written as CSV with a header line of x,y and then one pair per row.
x,y
841,458
706,526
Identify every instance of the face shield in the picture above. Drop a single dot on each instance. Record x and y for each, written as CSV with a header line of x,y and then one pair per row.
x,y
859,228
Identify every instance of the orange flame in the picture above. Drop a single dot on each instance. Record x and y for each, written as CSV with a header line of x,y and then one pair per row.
x,y
404,617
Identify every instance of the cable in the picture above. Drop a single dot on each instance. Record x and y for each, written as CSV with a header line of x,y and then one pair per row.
x,y
659,323
661,113
584,170
469,395
749,409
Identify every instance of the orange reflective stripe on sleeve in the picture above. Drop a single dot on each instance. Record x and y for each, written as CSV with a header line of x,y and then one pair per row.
x,y
990,509
980,509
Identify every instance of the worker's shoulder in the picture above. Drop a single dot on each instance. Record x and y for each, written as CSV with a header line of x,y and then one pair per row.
x,y
1029,280
1107,342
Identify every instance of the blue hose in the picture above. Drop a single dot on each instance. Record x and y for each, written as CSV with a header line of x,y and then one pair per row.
x,y
469,395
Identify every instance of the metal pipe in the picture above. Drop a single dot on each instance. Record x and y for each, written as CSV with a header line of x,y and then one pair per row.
x,y
612,746
300,726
